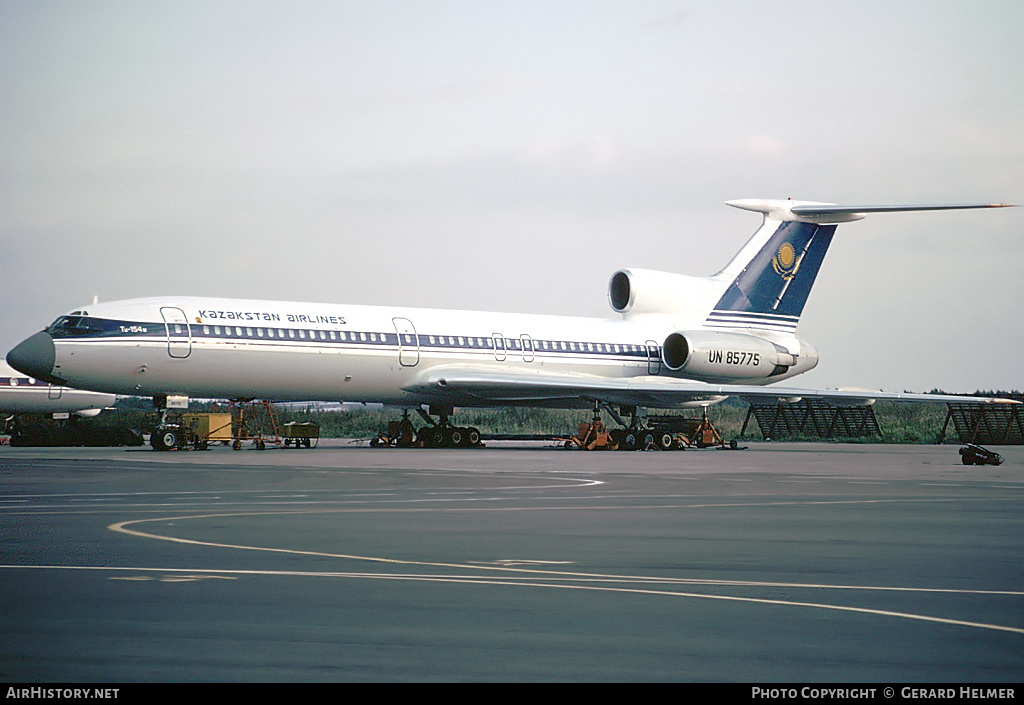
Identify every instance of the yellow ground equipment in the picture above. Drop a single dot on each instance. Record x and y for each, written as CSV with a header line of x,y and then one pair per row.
x,y
301,434
592,436
401,434
199,430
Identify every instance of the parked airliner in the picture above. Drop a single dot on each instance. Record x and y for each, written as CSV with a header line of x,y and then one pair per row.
x,y
22,395
679,341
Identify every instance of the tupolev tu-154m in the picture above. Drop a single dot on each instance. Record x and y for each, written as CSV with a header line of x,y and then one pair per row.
x,y
680,341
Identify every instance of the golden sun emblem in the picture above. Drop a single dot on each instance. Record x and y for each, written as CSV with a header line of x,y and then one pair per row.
x,y
784,262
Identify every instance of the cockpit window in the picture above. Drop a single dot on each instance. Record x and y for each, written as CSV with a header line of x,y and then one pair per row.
x,y
68,326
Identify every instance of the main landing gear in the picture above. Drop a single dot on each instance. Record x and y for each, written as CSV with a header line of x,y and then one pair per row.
x,y
438,433
668,432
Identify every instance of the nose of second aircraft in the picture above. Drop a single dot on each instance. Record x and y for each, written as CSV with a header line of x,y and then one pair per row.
x,y
35,357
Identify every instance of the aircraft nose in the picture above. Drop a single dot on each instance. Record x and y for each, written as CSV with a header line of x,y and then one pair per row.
x,y
35,357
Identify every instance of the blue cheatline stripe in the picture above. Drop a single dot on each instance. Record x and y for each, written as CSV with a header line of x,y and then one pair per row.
x,y
729,319
778,279
104,331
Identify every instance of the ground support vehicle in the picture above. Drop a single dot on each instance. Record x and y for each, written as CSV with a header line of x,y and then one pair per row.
x,y
194,430
300,434
592,436
973,454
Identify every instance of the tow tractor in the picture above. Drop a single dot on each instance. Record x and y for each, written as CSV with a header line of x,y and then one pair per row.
x,y
194,431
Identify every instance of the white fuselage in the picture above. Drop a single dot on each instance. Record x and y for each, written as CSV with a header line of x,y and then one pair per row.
x,y
233,348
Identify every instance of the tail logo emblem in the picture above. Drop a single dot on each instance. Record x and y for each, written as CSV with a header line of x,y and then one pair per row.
x,y
784,262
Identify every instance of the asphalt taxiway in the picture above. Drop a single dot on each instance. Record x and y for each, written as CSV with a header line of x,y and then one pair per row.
x,y
783,562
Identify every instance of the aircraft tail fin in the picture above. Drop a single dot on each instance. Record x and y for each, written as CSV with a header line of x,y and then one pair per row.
x,y
768,281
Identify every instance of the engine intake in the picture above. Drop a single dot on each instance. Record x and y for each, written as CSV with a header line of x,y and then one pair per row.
x,y
638,291
724,356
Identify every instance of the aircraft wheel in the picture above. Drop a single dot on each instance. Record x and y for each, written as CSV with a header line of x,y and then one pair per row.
x,y
630,441
166,439
646,439
456,438
436,439
666,441
472,437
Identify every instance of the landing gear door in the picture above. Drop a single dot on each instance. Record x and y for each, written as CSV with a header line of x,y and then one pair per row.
x,y
179,333
408,342
653,357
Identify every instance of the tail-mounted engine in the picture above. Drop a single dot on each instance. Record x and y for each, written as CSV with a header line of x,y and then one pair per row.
x,y
637,291
714,356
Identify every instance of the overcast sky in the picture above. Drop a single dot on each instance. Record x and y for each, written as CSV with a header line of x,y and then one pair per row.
x,y
511,156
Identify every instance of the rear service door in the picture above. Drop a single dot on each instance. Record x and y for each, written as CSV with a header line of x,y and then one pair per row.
x,y
408,342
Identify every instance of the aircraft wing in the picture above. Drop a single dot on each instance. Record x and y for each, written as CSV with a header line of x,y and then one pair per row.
x,y
477,386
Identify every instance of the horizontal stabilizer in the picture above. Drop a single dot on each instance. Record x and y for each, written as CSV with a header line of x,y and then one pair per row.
x,y
824,209
821,213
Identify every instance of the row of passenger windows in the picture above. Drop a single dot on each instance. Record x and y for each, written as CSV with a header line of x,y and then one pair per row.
x,y
514,344
528,344
287,333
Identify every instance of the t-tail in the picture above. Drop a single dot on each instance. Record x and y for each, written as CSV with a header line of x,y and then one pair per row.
x,y
767,283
